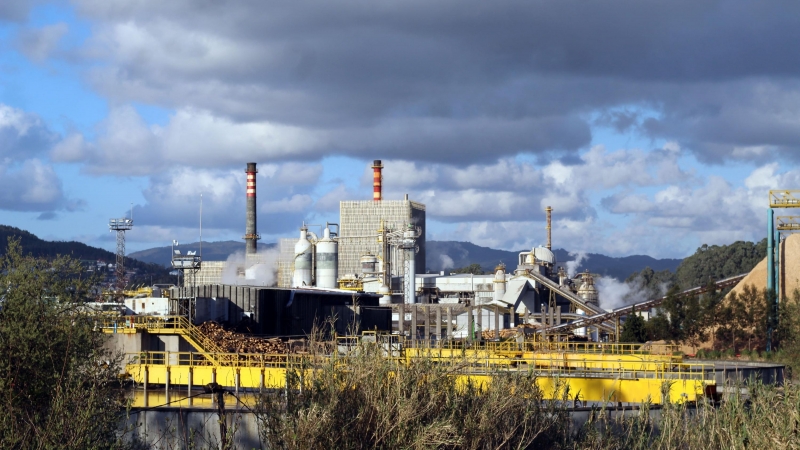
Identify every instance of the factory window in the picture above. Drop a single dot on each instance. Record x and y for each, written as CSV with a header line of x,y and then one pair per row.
x,y
142,305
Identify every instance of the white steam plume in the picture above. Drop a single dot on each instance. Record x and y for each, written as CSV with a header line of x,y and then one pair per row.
x,y
616,294
447,262
260,269
572,266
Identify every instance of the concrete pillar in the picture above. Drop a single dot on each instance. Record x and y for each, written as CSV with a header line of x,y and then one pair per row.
x,y
558,315
213,380
526,315
146,381
427,333
497,321
401,318
439,323
413,332
470,325
449,322
479,335
166,386
237,380
190,382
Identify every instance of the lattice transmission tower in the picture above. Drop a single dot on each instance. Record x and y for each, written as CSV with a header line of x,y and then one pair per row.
x,y
120,226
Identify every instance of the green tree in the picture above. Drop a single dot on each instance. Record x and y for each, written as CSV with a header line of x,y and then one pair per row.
x,y
658,327
58,386
634,329
473,268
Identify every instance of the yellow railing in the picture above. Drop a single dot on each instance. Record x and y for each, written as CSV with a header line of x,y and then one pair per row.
x,y
584,368
163,325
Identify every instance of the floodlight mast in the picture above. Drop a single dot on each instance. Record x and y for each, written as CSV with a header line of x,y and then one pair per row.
x,y
120,226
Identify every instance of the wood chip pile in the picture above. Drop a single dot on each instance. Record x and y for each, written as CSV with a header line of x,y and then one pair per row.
x,y
509,333
231,342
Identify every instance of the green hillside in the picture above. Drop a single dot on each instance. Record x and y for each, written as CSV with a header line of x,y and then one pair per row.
x,y
33,245
708,262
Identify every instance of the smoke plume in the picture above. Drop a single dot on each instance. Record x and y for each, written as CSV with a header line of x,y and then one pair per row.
x,y
616,294
260,269
572,266
447,262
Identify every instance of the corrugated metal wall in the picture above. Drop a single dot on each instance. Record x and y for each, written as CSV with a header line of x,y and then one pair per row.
x,y
288,312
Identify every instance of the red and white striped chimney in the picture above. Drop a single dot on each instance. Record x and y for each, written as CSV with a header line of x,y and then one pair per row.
x,y
376,180
250,233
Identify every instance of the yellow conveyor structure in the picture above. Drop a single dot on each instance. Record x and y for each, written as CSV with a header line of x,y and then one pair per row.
x,y
596,372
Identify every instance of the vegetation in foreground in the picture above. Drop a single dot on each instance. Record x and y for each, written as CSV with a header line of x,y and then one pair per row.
x,y
372,403
59,390
58,386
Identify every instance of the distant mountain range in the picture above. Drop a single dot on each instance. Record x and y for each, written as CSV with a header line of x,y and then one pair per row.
x,y
443,255
33,245
212,251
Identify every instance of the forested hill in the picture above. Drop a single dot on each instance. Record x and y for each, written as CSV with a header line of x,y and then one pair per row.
x,y
715,261
31,244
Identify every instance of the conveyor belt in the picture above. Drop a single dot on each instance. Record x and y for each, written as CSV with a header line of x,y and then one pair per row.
x,y
605,316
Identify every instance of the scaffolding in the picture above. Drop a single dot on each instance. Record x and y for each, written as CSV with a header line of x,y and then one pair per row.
x,y
360,222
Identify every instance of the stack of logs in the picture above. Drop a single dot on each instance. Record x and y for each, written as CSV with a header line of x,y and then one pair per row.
x,y
231,342
508,333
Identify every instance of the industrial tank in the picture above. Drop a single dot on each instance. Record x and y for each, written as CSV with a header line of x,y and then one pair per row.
x,y
587,291
369,265
303,255
327,261
410,270
544,255
499,282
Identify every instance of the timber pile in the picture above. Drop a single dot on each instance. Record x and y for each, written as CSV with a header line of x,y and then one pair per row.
x,y
231,342
509,333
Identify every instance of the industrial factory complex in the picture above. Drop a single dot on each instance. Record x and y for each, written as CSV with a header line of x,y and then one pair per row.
x,y
363,279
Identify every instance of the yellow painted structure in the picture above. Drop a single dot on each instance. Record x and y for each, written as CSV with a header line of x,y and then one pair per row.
x,y
597,372
602,383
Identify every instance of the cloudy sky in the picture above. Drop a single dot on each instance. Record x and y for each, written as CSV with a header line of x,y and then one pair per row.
x,y
650,127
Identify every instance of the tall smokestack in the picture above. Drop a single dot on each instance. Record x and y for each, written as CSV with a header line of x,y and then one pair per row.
x,y
377,194
549,212
250,233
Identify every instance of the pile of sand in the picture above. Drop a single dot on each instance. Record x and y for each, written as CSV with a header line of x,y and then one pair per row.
x,y
790,270
789,276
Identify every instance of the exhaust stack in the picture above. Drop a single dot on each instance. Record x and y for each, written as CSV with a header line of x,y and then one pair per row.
x,y
549,212
377,194
250,233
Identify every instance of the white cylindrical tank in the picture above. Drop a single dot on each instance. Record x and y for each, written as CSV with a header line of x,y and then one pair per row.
x,y
302,260
499,282
386,295
327,261
369,264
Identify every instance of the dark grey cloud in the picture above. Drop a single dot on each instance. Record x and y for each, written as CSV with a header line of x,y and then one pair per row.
x,y
709,72
15,10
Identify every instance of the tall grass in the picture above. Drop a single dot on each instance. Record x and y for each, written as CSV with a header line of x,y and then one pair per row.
x,y
765,417
369,401
374,402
